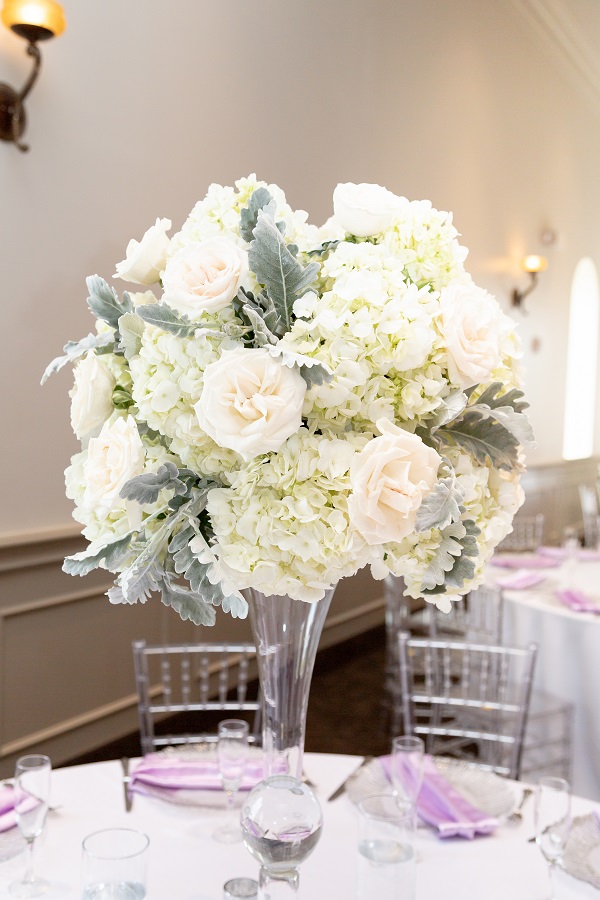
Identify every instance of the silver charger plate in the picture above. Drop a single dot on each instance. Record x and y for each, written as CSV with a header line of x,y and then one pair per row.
x,y
487,791
582,853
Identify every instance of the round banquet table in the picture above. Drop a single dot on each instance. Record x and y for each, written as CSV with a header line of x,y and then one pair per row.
x,y
568,659
185,862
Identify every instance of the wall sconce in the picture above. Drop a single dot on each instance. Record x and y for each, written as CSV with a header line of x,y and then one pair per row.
x,y
33,20
533,265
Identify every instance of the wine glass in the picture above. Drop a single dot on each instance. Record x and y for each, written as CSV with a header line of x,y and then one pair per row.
x,y
232,750
552,821
408,757
31,798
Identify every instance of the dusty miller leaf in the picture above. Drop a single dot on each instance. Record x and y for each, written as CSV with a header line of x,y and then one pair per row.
x,y
484,438
104,301
189,605
260,199
263,336
442,506
146,488
111,555
74,349
453,564
162,316
507,410
274,266
512,398
313,371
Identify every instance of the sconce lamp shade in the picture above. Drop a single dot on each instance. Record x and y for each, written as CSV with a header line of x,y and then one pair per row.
x,y
34,20
534,263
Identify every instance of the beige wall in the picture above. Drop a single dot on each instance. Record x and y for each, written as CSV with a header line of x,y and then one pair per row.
x,y
142,104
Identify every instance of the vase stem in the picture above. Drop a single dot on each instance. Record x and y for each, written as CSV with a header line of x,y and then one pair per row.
x,y
287,634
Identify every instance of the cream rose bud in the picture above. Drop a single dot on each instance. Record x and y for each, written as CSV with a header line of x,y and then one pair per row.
x,y
390,477
91,396
146,259
365,209
204,276
250,402
473,326
115,456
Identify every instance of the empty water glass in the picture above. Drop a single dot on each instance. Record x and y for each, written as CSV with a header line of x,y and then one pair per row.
x,y
32,795
232,752
114,865
386,853
408,755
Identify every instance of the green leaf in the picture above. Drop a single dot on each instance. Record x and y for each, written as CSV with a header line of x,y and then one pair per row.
x,y
111,555
131,329
263,336
121,398
75,349
275,267
453,565
442,506
313,371
510,398
196,571
260,199
484,438
146,488
104,301
162,316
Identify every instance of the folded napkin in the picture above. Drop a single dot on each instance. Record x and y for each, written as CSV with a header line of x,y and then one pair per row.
x,y
552,552
578,601
189,781
588,554
520,580
8,818
440,805
525,562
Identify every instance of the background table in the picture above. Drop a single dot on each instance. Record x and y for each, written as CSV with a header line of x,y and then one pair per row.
x,y
187,864
568,660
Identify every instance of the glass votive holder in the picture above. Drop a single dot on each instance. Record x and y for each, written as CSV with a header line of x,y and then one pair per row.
x,y
386,851
114,865
240,889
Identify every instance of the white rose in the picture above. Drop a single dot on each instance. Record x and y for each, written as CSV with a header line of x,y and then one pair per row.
x,y
390,477
204,276
115,456
146,259
364,209
142,298
473,326
91,396
250,402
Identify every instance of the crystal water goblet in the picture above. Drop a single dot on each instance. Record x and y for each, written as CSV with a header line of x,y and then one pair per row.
x,y
552,821
232,752
32,796
408,757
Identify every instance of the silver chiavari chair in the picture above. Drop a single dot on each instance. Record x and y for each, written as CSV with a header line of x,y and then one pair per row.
x,y
527,534
194,680
590,514
468,700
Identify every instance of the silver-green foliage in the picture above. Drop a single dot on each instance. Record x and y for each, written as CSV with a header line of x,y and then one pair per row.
x,y
453,564
73,350
104,301
441,506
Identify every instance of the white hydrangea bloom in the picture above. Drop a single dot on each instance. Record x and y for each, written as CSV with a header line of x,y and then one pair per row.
x,y
283,527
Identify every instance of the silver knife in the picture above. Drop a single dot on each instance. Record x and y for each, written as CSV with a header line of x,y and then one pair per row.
x,y
126,780
340,790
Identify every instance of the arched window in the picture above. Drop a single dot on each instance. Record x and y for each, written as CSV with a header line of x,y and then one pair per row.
x,y
582,355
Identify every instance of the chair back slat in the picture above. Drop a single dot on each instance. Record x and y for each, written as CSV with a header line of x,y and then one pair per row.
x,y
467,699
195,678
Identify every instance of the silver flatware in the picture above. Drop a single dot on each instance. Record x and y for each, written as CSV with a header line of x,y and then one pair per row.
x,y
516,815
126,782
340,790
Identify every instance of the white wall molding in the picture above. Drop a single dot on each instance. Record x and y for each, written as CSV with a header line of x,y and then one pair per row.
x,y
554,21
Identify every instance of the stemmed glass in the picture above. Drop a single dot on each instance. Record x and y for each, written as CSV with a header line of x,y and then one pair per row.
x,y
552,821
232,750
32,795
408,757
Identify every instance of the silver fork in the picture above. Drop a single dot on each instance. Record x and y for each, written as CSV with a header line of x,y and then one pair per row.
x,y
516,815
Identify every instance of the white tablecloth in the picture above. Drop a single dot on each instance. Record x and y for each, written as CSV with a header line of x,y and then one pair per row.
x,y
187,864
568,660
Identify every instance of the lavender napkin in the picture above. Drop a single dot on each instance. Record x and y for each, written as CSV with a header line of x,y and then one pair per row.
x,y
443,807
525,562
588,554
8,818
189,781
578,601
520,580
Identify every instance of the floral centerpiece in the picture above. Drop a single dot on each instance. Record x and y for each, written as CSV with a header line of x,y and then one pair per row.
x,y
282,405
